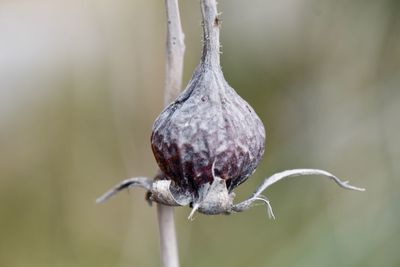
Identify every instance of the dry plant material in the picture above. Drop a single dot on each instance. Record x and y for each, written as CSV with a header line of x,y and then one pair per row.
x,y
209,141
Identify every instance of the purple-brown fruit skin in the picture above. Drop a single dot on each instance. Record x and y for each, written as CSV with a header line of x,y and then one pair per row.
x,y
208,122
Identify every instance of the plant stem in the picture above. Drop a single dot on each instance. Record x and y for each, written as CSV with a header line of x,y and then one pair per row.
x,y
175,50
210,25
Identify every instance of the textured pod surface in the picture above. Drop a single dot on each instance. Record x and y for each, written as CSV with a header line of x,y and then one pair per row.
x,y
208,128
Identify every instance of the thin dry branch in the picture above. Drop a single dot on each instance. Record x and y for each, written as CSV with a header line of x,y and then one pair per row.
x,y
173,84
174,53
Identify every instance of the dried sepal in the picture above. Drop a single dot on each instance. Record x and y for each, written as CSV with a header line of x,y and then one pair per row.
x,y
163,192
141,182
216,199
251,202
248,203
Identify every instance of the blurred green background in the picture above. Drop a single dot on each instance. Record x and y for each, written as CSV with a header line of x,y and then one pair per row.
x,y
81,83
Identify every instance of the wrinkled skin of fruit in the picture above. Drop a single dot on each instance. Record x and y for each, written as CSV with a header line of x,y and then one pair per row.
x,y
209,131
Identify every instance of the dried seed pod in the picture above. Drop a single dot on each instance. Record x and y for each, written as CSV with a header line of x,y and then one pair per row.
x,y
209,140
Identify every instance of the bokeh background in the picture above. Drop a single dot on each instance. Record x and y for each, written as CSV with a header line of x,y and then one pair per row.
x,y
81,83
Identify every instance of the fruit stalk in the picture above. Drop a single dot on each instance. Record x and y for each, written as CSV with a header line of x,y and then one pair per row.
x,y
210,23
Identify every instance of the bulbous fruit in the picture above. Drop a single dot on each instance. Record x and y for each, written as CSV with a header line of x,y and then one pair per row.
x,y
209,130
209,135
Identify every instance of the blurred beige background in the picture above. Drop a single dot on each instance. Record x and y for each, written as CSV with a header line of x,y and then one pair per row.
x,y
81,83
